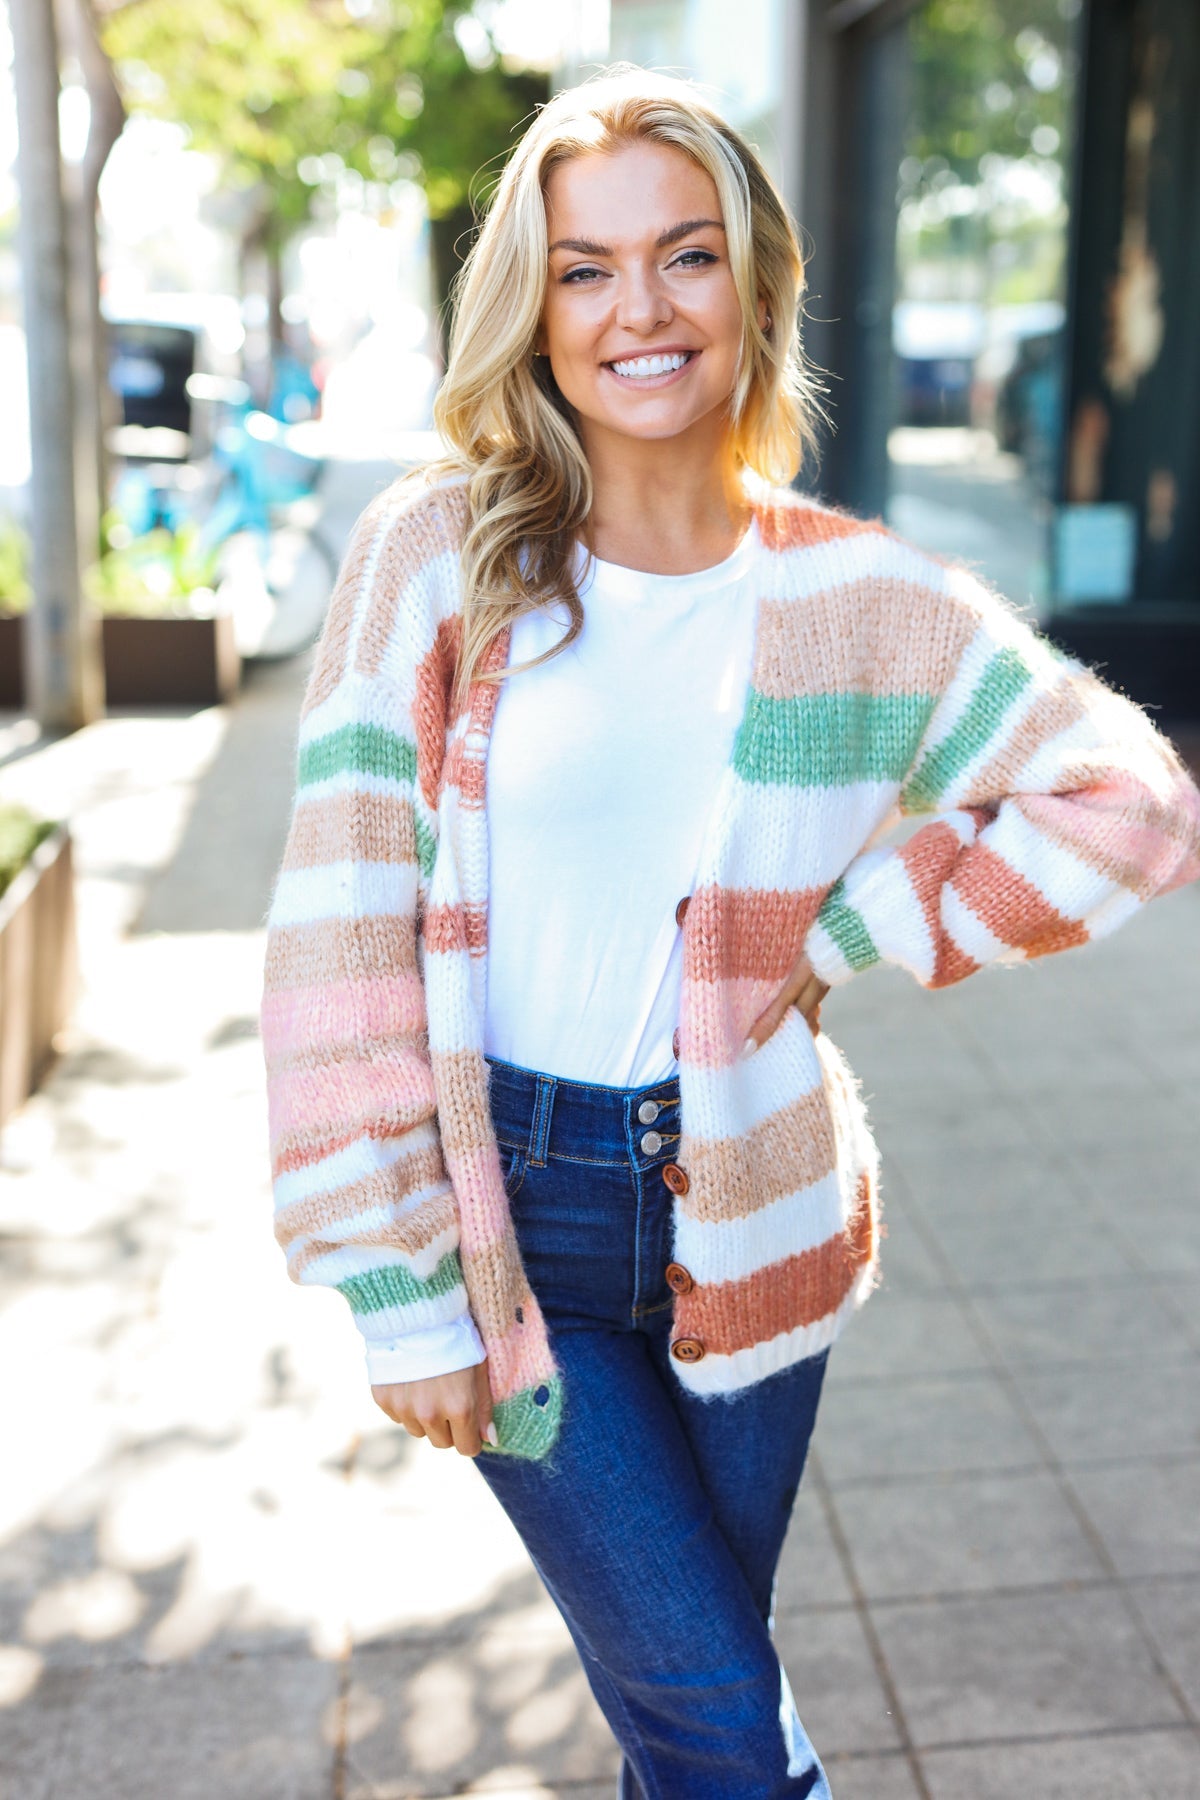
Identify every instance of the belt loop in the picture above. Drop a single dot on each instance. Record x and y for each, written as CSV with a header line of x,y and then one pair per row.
x,y
539,1130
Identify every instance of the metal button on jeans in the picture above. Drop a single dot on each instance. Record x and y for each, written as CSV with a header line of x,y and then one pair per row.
x,y
648,1111
651,1143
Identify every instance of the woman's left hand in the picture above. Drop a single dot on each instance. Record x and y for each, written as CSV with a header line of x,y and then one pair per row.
x,y
802,989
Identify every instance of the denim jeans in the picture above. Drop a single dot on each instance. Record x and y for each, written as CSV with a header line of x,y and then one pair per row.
x,y
656,1525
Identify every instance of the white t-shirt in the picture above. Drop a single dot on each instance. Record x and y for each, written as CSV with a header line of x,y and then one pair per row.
x,y
602,767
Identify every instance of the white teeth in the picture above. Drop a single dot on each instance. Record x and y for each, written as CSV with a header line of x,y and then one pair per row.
x,y
641,366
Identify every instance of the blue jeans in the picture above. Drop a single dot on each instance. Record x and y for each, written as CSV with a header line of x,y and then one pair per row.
x,y
657,1523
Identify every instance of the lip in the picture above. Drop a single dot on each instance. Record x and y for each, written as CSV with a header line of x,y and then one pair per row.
x,y
644,382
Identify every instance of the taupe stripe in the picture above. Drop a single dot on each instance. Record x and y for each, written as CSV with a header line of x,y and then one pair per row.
x,y
910,643
408,1235
464,1116
731,1178
423,531
329,664
1049,714
496,1285
369,827
310,1217
339,949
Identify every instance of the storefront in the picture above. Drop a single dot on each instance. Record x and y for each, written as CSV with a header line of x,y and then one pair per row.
x,y
1000,200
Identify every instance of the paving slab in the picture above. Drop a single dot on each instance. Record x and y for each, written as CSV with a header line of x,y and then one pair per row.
x,y
1117,1410
1147,1514
507,1707
898,1334
838,1693
1105,1322
927,1425
1022,1665
261,1728
1160,1765
810,1570
1172,1611
961,1534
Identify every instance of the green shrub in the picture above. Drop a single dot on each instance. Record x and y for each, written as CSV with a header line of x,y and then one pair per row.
x,y
20,835
161,574
14,566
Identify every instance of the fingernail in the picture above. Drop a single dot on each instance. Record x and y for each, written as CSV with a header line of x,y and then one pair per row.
x,y
490,1434
749,1047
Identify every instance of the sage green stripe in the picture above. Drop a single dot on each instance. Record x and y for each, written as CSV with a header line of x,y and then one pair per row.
x,y
364,749
426,845
1004,677
830,740
394,1285
848,929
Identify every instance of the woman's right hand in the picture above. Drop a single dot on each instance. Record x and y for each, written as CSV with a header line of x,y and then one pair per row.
x,y
453,1411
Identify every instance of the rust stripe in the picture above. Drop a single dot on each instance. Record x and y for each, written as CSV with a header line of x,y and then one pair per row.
x,y
730,1316
734,933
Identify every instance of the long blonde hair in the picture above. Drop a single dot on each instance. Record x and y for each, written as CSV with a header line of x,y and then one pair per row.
x,y
509,429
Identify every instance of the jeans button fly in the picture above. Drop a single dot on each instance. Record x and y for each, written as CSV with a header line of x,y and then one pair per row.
x,y
648,1111
651,1143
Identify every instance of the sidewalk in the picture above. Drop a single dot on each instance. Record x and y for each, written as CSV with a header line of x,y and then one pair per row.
x,y
224,1576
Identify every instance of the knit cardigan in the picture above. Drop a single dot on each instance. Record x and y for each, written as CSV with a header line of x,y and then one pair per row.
x,y
886,683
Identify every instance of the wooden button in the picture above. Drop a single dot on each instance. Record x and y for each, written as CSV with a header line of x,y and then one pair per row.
x,y
681,909
679,1278
675,1178
688,1350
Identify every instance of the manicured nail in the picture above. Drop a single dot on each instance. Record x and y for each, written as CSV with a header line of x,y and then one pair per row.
x,y
490,1434
749,1047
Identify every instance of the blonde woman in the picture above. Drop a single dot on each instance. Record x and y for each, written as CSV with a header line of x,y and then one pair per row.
x,y
602,738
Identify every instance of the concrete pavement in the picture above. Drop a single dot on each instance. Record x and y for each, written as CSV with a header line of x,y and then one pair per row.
x,y
224,1576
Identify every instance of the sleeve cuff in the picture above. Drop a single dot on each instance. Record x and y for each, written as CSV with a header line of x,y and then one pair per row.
x,y
435,1350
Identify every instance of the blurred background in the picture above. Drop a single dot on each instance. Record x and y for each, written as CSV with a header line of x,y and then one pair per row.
x,y
227,234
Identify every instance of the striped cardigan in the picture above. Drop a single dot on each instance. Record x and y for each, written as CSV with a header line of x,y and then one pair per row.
x,y
885,684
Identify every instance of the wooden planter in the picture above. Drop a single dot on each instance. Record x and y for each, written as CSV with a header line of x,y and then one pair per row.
x,y
38,966
147,662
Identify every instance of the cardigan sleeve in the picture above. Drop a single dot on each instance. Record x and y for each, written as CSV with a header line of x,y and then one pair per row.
x,y
362,1200
1060,807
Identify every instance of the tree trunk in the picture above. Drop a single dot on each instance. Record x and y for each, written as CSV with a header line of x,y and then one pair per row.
x,y
94,397
65,684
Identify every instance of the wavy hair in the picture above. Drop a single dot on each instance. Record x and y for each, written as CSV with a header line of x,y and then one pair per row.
x,y
508,427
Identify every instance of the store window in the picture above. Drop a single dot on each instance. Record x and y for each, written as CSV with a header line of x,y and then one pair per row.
x,y
979,323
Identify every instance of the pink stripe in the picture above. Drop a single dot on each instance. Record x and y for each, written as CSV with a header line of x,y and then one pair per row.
x,y
475,1174
341,1011
521,1358
346,1094
715,1018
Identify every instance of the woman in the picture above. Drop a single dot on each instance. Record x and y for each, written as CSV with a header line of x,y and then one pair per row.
x,y
604,730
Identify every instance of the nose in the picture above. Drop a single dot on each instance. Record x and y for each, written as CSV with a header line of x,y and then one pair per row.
x,y
642,301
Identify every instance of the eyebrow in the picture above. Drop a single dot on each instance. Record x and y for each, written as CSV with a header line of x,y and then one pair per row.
x,y
589,247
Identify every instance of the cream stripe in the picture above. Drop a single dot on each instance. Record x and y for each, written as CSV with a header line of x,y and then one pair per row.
x,y
303,896
729,1249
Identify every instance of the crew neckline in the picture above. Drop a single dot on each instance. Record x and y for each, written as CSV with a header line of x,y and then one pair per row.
x,y
617,578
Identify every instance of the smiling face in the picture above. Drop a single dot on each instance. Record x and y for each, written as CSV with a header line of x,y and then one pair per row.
x,y
642,322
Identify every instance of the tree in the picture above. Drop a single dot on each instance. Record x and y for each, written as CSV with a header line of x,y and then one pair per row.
x,y
286,94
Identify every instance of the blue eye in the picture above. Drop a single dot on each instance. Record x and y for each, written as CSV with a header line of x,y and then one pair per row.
x,y
572,275
705,256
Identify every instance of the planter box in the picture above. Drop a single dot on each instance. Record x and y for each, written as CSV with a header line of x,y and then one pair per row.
x,y
147,662
38,967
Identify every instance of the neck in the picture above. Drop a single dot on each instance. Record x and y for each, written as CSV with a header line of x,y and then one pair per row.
x,y
668,507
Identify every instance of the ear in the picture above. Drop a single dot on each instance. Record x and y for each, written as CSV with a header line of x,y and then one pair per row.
x,y
764,316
